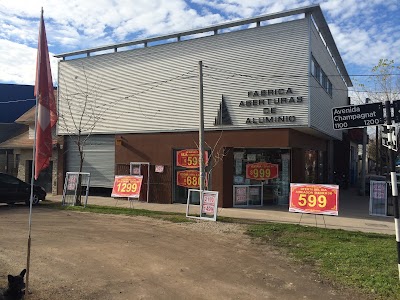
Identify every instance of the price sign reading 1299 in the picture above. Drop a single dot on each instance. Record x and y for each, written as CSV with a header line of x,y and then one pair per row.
x,y
314,198
127,186
261,171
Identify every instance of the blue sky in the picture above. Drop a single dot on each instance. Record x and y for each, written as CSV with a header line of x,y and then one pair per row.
x,y
364,31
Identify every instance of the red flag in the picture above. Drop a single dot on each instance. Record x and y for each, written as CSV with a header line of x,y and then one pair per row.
x,y
46,104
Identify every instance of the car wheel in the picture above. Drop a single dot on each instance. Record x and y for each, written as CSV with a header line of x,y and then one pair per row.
x,y
35,200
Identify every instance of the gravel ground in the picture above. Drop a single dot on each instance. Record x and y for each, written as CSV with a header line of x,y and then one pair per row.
x,y
94,256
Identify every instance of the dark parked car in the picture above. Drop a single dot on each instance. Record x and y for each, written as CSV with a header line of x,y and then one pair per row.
x,y
14,190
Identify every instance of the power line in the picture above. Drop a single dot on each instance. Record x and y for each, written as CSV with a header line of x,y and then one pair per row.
x,y
180,77
106,106
19,100
302,76
264,78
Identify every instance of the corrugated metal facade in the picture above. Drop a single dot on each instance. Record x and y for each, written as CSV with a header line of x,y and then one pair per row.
x,y
321,103
262,74
155,89
99,159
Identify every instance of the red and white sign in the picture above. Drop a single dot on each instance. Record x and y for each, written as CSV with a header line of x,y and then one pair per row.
x,y
189,158
207,208
136,170
240,195
261,171
127,186
321,199
72,181
159,169
209,201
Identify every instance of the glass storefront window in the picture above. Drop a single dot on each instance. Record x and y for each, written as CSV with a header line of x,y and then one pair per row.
x,y
250,191
315,166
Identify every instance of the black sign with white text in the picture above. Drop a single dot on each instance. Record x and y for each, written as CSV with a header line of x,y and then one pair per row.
x,y
353,116
396,106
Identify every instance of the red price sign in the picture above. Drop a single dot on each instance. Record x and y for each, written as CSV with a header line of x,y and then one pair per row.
x,y
262,171
127,186
319,199
188,178
189,158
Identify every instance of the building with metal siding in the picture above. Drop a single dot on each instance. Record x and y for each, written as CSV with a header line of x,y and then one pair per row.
x,y
268,94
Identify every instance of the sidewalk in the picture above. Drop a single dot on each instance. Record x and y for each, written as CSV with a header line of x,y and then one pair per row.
x,y
353,213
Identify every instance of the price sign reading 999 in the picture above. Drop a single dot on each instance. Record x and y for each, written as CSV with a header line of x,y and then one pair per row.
x,y
190,158
127,186
319,199
261,171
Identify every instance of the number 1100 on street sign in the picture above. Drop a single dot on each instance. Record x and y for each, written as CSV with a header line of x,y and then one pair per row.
x,y
353,116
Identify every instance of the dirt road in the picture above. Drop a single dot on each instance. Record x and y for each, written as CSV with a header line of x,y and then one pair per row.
x,y
94,256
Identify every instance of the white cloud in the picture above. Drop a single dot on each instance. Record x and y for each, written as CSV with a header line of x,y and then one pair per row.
x,y
18,63
364,30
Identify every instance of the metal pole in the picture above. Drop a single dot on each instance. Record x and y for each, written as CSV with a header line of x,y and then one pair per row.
x,y
28,255
364,154
393,180
201,129
376,151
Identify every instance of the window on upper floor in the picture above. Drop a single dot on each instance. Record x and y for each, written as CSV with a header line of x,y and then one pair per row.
x,y
321,76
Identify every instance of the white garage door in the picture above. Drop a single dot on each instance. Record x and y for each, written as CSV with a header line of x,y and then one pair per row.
x,y
99,159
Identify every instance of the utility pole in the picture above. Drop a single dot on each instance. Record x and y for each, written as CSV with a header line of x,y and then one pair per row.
x,y
364,154
376,150
201,131
393,179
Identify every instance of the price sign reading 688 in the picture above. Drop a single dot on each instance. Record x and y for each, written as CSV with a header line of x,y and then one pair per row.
x,y
314,198
261,171
188,178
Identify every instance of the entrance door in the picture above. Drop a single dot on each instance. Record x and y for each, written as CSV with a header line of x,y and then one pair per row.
x,y
267,179
247,195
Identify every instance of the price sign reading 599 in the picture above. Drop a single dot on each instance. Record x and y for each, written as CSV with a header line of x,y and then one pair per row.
x,y
312,201
190,159
314,198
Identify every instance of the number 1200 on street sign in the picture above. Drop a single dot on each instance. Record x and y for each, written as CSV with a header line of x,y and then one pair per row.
x,y
353,116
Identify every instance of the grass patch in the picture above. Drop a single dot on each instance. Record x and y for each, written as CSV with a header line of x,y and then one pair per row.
x,y
363,261
167,216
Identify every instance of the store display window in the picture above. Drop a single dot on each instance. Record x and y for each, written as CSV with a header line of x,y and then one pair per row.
x,y
261,177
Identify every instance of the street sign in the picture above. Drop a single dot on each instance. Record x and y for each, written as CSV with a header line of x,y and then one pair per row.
x,y
396,106
385,139
353,116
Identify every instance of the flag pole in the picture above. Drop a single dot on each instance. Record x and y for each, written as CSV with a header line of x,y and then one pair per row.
x,y
28,258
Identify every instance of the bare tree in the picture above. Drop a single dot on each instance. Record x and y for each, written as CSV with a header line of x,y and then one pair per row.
x,y
382,85
216,156
80,114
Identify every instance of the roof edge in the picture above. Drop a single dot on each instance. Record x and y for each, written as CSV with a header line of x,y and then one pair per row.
x,y
314,10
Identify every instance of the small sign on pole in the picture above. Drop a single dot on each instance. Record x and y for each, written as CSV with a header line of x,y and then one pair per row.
x,y
396,106
385,137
